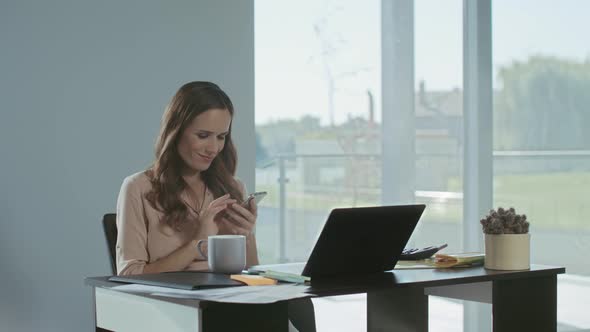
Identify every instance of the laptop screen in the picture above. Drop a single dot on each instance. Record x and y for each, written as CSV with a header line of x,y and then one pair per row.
x,y
362,240
357,241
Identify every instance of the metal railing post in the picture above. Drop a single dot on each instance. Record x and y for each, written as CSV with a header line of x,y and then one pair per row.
x,y
282,210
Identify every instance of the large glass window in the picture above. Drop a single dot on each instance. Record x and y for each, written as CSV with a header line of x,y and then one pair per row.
x,y
320,130
320,127
541,137
317,117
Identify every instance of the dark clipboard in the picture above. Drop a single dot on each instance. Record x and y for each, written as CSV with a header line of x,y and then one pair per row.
x,y
189,280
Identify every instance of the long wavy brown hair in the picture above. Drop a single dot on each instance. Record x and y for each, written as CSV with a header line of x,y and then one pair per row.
x,y
165,174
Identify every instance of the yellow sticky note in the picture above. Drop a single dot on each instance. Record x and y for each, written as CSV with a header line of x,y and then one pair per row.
x,y
253,280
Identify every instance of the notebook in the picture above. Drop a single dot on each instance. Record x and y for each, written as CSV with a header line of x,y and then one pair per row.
x,y
356,241
183,280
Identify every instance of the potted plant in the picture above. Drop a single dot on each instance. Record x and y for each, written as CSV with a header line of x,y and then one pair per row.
x,y
507,240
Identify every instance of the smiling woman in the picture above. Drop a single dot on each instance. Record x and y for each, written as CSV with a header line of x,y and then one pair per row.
x,y
189,193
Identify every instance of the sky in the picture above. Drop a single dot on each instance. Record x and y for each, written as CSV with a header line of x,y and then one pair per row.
x,y
309,52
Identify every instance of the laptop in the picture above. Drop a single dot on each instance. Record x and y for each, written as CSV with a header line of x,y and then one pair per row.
x,y
361,240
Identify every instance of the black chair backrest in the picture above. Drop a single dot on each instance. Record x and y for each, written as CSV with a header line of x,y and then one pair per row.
x,y
109,225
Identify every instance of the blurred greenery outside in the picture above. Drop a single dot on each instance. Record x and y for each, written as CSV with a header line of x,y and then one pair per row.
x,y
550,201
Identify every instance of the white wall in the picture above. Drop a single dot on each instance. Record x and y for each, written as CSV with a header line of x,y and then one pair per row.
x,y
82,88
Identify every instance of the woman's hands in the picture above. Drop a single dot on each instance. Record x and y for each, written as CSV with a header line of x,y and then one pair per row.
x,y
238,219
208,216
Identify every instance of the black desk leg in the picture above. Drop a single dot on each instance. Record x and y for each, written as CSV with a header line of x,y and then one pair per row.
x,y
245,317
528,304
399,309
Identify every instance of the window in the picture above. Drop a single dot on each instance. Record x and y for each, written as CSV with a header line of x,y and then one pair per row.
x,y
541,140
332,91
317,117
320,129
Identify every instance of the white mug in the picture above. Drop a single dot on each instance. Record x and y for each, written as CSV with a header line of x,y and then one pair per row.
x,y
227,253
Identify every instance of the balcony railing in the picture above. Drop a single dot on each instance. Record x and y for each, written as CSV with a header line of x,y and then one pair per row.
x,y
307,186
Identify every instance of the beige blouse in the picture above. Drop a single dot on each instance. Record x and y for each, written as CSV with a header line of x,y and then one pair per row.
x,y
142,238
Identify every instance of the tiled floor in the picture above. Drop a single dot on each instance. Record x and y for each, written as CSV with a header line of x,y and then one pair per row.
x,y
348,313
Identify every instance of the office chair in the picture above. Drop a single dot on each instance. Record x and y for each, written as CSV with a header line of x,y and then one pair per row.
x,y
109,225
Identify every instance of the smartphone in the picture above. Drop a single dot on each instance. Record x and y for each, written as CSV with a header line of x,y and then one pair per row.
x,y
256,196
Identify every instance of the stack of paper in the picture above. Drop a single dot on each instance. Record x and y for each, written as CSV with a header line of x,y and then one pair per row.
x,y
240,294
441,261
459,260
284,276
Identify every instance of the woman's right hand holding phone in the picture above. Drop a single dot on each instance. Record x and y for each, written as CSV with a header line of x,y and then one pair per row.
x,y
240,219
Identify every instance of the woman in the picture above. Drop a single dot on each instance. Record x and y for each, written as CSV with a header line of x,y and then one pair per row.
x,y
189,192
